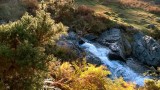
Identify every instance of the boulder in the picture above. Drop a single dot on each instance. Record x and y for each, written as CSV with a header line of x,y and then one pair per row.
x,y
137,66
90,37
81,42
114,56
72,36
115,40
90,58
146,49
110,36
72,46
71,42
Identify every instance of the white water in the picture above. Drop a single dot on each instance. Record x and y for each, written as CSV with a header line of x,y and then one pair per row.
x,y
117,68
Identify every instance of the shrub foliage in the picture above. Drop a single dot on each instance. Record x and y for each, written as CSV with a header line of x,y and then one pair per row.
x,y
22,50
82,76
24,60
80,18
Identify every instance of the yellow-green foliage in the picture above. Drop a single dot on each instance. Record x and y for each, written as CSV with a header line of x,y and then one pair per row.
x,y
22,50
85,77
151,85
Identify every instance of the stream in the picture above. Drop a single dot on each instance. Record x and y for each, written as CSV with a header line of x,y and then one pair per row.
x,y
116,67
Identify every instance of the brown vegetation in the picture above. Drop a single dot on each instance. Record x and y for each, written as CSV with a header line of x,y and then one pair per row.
x,y
142,4
81,18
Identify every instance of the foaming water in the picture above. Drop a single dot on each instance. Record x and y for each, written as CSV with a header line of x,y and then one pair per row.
x,y
117,68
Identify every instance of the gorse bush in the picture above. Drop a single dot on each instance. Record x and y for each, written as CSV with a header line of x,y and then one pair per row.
x,y
22,50
82,76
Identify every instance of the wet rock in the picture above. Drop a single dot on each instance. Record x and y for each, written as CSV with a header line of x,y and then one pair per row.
x,y
81,42
158,41
114,47
90,37
115,40
114,56
93,60
72,36
70,45
136,65
110,36
146,49
127,47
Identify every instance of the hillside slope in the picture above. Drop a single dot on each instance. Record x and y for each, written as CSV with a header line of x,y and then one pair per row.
x,y
125,12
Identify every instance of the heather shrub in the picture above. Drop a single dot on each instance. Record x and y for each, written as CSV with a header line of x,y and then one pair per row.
x,y
23,60
80,18
145,5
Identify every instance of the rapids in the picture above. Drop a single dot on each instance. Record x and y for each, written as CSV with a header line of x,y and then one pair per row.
x,y
116,67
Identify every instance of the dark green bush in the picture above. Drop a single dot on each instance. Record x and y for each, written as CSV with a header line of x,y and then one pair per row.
x,y
22,50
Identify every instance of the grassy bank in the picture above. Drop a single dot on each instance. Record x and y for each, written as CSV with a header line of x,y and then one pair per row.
x,y
128,15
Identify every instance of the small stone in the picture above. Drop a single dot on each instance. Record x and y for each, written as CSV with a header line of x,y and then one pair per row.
x,y
151,26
